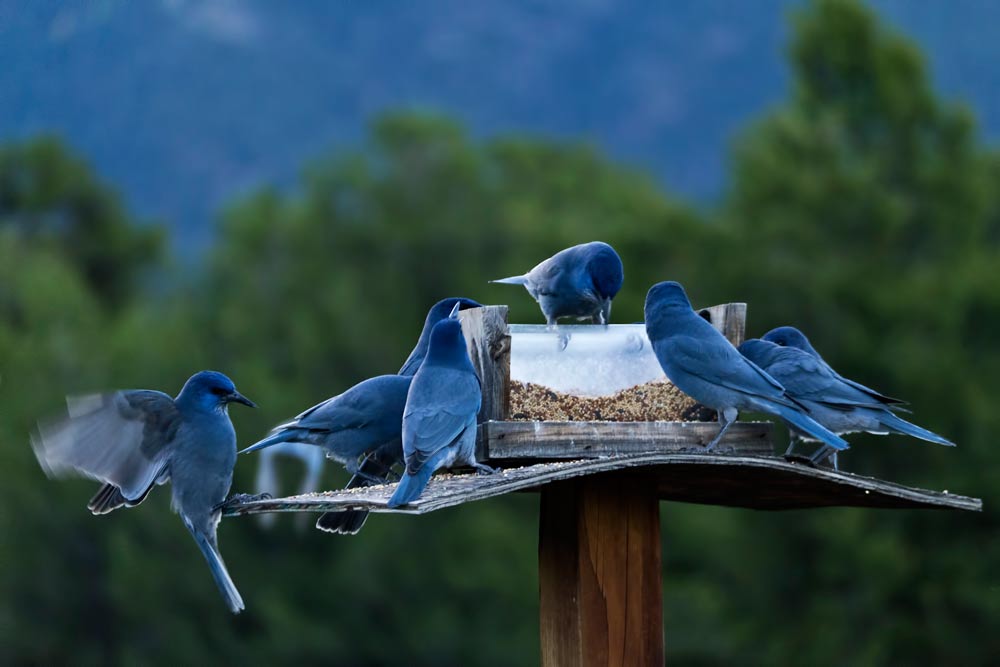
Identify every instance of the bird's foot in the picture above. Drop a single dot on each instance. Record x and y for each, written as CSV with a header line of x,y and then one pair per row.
x,y
241,498
482,469
358,471
825,456
374,480
798,458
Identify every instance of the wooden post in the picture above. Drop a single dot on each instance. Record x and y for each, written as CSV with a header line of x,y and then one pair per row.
x,y
599,572
488,342
599,559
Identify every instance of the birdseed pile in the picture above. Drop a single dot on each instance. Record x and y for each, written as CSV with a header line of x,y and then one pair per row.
x,y
651,401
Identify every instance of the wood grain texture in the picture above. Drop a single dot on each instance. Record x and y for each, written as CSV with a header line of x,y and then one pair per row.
x,y
488,342
729,318
530,441
599,573
768,483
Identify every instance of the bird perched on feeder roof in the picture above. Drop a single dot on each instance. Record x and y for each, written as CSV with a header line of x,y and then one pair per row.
x,y
578,282
838,404
364,421
703,364
439,421
134,440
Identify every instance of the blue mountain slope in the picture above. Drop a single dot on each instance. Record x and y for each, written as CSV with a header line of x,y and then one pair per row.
x,y
186,103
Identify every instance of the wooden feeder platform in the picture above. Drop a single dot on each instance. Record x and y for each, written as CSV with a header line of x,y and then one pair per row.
x,y
600,485
752,482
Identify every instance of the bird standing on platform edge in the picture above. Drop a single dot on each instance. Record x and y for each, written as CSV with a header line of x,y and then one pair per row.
x,y
133,440
439,421
364,421
704,365
840,405
578,282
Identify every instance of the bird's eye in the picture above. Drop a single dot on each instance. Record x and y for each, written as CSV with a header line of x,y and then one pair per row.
x,y
219,391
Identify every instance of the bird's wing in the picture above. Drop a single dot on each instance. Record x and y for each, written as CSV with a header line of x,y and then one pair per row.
x,y
357,407
721,364
805,377
544,278
333,414
429,431
878,396
437,413
122,438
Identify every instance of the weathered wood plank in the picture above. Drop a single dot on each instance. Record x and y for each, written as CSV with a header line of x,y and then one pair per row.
x,y
769,483
525,441
599,572
488,343
729,318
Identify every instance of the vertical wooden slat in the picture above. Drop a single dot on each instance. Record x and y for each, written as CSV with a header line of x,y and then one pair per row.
x,y
599,573
488,342
729,318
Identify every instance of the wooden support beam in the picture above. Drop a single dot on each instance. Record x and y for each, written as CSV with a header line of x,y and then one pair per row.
x,y
599,573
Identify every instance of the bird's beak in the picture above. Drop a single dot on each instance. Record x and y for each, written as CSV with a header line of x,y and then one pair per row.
x,y
237,397
454,311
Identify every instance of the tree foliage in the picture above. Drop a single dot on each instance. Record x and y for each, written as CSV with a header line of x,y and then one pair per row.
x,y
49,197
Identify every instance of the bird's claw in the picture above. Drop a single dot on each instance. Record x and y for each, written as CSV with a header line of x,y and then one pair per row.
x,y
373,480
798,458
241,498
482,469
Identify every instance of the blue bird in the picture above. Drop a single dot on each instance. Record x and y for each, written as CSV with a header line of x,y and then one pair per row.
x,y
704,365
134,440
364,421
578,282
840,406
439,311
439,421
792,337
349,425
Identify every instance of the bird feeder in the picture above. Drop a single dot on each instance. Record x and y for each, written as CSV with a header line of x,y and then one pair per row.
x,y
563,415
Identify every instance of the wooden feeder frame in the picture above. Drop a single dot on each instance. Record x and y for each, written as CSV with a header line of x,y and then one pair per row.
x,y
599,545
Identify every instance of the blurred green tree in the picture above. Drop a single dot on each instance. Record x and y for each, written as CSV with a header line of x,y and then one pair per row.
x,y
50,196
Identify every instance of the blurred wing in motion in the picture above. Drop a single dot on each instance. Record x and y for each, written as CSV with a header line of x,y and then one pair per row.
x,y
119,438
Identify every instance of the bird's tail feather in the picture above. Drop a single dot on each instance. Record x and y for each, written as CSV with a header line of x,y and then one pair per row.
x,y
344,522
411,485
283,435
350,522
897,425
812,427
219,572
513,280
